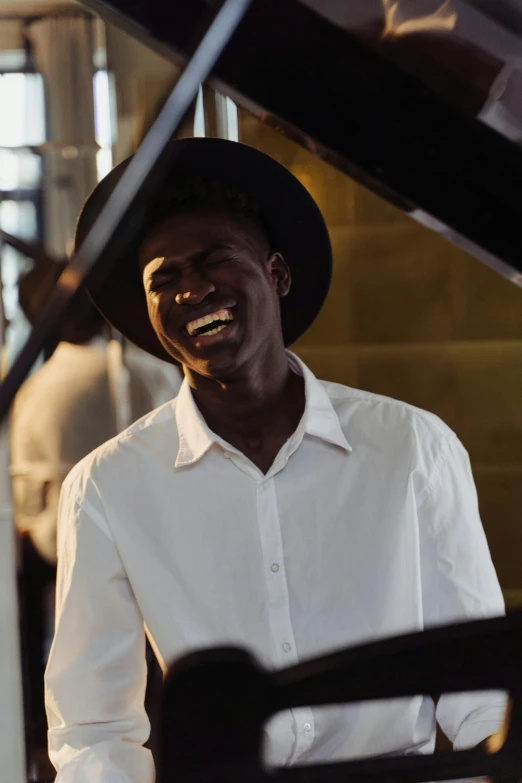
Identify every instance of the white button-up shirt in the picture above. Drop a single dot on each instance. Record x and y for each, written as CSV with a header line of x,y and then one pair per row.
x,y
365,526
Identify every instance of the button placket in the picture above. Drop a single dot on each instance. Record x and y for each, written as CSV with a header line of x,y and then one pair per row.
x,y
285,653
275,575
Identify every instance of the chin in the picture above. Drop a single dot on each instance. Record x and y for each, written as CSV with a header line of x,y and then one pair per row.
x,y
212,361
218,366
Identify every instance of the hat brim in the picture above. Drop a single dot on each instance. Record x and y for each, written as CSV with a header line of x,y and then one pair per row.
x,y
292,218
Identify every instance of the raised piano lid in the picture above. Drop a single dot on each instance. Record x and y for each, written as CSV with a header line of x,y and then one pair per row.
x,y
399,96
469,52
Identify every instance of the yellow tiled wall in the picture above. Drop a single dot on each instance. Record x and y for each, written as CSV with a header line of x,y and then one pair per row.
x,y
415,318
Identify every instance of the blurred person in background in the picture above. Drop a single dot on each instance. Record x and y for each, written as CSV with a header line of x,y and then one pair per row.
x,y
74,402
69,406
91,386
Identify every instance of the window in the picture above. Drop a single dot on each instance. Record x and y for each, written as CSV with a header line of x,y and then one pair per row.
x,y
23,123
104,120
18,218
22,131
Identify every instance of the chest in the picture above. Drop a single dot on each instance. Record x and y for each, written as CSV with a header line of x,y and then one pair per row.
x,y
224,556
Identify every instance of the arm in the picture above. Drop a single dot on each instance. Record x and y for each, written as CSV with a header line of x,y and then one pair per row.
x,y
96,675
458,583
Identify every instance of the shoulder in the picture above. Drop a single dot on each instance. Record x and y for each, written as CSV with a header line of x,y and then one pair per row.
x,y
398,428
381,411
129,453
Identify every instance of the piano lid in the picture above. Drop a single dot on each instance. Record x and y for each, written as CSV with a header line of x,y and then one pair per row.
x,y
469,51
416,99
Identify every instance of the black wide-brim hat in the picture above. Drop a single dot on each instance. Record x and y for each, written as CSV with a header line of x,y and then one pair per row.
x,y
288,211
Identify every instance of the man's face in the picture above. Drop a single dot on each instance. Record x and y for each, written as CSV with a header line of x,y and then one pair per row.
x,y
213,286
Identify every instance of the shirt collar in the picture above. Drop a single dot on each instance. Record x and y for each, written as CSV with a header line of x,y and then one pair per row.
x,y
195,437
319,419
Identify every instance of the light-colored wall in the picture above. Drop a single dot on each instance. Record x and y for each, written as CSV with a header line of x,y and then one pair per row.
x,y
412,317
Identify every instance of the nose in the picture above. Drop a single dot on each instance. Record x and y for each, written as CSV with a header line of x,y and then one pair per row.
x,y
194,289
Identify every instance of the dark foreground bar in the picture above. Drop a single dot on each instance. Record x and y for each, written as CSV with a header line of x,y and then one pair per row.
x,y
216,702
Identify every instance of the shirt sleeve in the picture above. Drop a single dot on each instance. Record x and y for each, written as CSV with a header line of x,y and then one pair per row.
x,y
459,582
96,674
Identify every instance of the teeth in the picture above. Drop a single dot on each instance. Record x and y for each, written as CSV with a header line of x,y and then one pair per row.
x,y
214,331
219,315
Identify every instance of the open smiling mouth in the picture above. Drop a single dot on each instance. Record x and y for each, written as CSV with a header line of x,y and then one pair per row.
x,y
210,324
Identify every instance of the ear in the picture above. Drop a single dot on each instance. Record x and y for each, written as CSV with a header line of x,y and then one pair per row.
x,y
280,274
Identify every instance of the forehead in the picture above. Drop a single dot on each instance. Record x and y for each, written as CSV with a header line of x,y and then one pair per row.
x,y
193,231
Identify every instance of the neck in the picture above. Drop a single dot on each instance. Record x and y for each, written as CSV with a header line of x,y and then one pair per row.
x,y
263,391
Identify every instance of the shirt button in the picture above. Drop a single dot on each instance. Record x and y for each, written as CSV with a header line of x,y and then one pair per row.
x,y
307,727
227,455
274,567
287,647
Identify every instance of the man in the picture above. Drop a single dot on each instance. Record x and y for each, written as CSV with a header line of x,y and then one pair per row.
x,y
261,507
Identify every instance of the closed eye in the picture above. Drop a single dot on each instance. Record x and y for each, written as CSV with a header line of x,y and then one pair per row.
x,y
218,261
158,284
164,278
